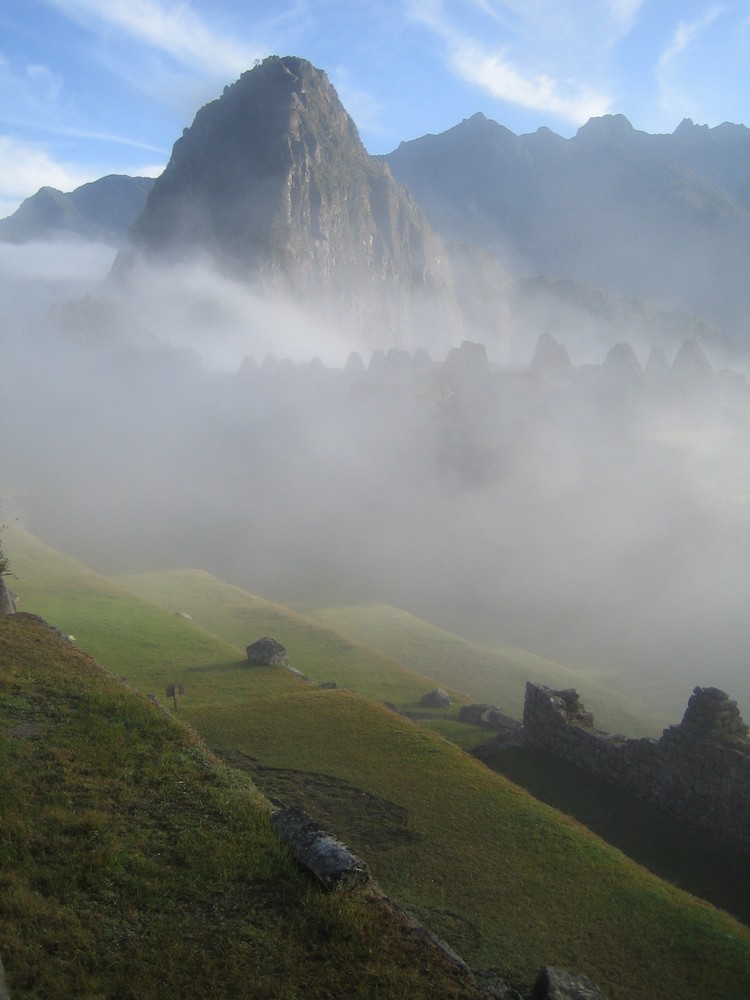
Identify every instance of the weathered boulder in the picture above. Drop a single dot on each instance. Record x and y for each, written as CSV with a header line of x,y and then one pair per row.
x,y
557,984
435,699
333,865
267,652
7,607
712,714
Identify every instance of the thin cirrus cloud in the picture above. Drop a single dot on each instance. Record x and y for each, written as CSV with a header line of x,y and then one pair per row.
x,y
174,29
493,73
532,35
673,74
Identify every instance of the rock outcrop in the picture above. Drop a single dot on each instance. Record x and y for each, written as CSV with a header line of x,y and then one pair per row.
x,y
334,866
558,984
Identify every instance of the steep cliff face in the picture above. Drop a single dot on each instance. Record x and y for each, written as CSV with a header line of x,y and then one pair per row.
x,y
272,182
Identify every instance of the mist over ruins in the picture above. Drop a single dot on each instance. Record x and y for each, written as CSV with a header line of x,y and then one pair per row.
x,y
497,380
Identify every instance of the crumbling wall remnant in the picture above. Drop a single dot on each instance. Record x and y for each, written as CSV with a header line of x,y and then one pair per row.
x,y
698,771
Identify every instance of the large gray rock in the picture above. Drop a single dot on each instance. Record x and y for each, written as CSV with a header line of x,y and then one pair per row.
x,y
557,984
267,652
435,699
333,865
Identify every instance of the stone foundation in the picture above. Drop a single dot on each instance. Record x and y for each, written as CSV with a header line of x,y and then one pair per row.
x,y
698,771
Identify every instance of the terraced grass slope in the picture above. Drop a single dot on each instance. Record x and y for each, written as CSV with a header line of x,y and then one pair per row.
x,y
144,644
507,881
320,652
134,866
497,676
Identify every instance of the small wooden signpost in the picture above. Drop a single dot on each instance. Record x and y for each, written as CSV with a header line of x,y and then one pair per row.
x,y
174,691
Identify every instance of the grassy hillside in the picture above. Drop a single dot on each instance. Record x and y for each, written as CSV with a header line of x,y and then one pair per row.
x,y
138,641
507,881
510,883
134,866
497,676
239,617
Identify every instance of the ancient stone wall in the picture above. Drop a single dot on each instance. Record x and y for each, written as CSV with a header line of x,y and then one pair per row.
x,y
698,771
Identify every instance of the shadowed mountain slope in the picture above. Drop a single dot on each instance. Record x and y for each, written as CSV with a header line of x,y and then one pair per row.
x,y
660,218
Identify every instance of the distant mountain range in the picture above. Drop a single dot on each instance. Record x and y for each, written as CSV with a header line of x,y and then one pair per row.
x,y
661,218
103,210
613,234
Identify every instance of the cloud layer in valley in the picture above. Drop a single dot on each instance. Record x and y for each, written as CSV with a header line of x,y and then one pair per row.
x,y
598,526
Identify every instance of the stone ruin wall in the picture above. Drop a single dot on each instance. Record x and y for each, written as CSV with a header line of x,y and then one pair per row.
x,y
698,771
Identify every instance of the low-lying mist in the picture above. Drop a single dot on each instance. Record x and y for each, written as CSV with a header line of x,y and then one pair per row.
x,y
599,523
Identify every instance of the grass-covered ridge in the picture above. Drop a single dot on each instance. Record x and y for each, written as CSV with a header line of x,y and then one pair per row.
x,y
133,865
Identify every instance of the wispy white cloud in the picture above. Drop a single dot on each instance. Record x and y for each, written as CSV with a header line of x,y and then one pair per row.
x,y
685,34
495,74
27,167
30,89
530,35
624,12
34,99
673,74
175,29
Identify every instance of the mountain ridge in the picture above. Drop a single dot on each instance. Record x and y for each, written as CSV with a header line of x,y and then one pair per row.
x,y
662,218
101,210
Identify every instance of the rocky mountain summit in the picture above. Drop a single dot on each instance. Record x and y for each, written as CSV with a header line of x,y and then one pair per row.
x,y
272,182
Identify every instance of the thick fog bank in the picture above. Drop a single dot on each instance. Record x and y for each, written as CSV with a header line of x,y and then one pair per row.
x,y
588,513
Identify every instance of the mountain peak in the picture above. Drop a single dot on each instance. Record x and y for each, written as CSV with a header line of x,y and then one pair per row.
x,y
272,182
606,129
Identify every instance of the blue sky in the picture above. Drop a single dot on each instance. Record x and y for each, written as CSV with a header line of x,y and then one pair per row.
x,y
90,87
